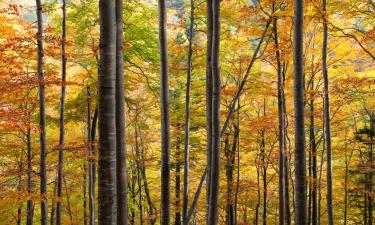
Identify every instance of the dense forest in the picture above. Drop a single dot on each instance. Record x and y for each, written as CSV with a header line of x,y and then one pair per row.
x,y
187,112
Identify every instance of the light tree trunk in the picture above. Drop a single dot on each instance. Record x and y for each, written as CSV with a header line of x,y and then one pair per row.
x,y
121,176
299,115
187,115
165,118
107,129
216,93
327,116
62,121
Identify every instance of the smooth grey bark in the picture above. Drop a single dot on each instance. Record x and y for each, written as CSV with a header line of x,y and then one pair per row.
x,y
60,165
327,116
121,175
187,114
30,204
42,119
281,127
216,94
90,161
299,115
107,210
165,118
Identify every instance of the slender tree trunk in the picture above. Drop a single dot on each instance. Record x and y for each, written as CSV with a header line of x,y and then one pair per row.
x,y
68,201
281,127
258,192
178,181
314,153
165,119
84,195
90,161
216,93
30,205
264,173
320,174
299,115
62,121
42,120
19,189
192,210
187,115
208,103
107,129
327,116
121,176
237,129
52,219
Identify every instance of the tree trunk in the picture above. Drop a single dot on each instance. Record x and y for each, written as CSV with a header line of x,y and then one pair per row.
x,y
299,115
187,115
258,191
107,129
264,167
84,195
281,127
314,214
216,93
208,103
91,170
165,119
42,120
178,180
327,116
121,176
30,205
62,109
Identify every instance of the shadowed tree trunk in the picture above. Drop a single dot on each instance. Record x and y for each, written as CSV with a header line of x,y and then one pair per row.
x,y
165,119
121,176
299,115
42,119
30,205
327,116
216,93
281,127
178,179
107,129
313,149
62,124
187,115
90,161
208,103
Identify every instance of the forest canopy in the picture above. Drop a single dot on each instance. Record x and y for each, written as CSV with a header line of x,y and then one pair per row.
x,y
187,112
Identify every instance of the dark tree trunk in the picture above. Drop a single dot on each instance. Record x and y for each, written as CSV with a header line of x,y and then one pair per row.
x,y
281,127
42,120
187,114
264,167
327,116
62,122
84,195
121,176
208,102
91,170
138,165
216,93
299,115
192,210
107,129
165,119
19,189
256,220
313,149
30,205
178,181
